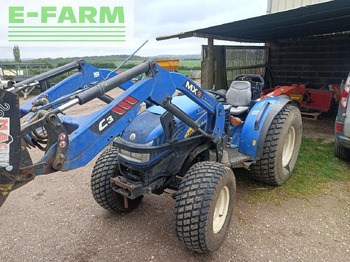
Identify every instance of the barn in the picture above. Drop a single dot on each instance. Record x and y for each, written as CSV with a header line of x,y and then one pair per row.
x,y
299,41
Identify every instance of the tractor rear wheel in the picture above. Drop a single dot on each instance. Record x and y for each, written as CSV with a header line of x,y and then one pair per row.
x,y
106,167
281,148
204,206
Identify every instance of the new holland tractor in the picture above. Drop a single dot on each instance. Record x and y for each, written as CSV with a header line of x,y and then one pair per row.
x,y
186,140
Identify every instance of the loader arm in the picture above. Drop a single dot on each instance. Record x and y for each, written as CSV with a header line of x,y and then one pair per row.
x,y
71,142
86,76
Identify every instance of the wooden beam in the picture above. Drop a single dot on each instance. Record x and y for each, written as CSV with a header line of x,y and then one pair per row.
x,y
245,67
221,37
201,35
179,35
210,65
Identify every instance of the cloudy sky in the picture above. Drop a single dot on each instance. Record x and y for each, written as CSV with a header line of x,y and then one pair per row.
x,y
155,18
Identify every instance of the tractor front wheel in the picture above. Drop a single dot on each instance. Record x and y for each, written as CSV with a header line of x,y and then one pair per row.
x,y
281,148
106,167
204,206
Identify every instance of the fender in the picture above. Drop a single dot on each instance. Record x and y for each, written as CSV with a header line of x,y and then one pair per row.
x,y
257,124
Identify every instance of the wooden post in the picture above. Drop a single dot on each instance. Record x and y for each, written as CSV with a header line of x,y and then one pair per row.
x,y
210,64
269,80
220,78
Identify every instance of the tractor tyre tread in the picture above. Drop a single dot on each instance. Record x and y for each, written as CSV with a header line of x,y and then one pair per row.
x,y
193,206
264,169
106,167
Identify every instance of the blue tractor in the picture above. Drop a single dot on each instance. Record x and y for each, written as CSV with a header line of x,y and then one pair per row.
x,y
165,132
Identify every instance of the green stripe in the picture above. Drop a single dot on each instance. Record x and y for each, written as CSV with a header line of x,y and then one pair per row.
x,y
66,27
66,36
66,40
66,31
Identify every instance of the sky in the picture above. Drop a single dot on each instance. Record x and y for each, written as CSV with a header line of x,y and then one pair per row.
x,y
156,18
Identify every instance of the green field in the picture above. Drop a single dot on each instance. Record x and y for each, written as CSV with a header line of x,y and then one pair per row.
x,y
114,61
192,64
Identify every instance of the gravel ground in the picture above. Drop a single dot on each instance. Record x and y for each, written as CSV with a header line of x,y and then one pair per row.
x,y
55,218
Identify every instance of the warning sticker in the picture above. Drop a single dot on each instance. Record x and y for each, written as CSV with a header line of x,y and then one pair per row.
x,y
5,141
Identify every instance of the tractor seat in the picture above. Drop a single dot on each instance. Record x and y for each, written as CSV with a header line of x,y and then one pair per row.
x,y
238,97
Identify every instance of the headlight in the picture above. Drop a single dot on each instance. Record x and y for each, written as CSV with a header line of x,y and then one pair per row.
x,y
135,157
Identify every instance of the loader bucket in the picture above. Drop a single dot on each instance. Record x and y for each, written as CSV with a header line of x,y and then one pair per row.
x,y
10,142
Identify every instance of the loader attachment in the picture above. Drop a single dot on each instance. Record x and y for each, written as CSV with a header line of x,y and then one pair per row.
x,y
10,142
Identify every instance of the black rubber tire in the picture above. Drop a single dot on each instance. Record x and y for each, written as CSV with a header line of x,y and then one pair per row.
x,y
341,152
106,167
269,168
195,205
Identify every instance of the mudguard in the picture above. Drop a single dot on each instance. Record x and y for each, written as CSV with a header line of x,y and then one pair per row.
x,y
10,142
257,124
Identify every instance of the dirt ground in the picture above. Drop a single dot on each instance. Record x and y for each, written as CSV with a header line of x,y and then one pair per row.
x,y
55,218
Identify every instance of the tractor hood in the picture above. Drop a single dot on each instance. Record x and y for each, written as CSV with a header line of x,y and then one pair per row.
x,y
144,129
147,127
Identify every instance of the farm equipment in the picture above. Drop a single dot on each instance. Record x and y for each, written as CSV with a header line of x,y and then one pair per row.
x,y
187,142
305,98
171,65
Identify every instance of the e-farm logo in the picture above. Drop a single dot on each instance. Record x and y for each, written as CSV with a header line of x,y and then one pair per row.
x,y
85,21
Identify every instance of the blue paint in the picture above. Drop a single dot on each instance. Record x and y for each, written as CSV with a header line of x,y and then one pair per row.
x,y
85,143
249,136
84,78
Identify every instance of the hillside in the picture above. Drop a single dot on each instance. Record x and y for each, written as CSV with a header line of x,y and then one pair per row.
x,y
187,62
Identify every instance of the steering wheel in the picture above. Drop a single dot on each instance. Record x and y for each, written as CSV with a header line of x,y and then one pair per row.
x,y
215,92
251,78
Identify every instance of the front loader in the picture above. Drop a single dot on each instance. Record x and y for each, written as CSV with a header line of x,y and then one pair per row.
x,y
165,132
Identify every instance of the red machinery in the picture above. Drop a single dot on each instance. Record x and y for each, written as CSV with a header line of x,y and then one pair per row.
x,y
310,99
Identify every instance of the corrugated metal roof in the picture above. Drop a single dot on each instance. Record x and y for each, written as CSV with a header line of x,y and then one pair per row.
x,y
275,6
317,19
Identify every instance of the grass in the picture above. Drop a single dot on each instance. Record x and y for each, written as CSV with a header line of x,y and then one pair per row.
x,y
185,72
195,63
315,169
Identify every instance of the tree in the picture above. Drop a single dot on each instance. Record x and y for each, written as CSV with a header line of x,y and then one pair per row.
x,y
17,53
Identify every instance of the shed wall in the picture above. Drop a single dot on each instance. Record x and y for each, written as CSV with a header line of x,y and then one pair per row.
x,y
316,61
